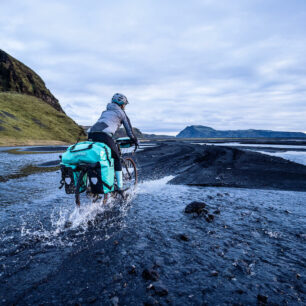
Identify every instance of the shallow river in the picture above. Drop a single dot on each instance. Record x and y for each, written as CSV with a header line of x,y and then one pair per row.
x,y
52,252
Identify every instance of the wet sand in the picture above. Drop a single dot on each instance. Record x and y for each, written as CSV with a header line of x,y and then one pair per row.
x,y
248,247
221,167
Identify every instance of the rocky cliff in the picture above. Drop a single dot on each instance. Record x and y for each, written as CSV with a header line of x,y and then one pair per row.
x,y
17,77
29,113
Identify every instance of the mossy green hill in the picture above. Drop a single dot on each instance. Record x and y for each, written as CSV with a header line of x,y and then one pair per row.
x,y
29,113
27,120
17,77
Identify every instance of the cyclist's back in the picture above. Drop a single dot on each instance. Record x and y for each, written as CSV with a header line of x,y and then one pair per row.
x,y
106,126
110,121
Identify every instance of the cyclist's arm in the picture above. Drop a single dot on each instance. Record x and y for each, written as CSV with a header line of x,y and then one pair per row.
x,y
128,127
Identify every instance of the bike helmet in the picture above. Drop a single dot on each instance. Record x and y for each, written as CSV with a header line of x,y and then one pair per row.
x,y
120,99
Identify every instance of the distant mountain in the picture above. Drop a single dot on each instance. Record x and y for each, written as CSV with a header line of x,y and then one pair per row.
x,y
17,77
29,113
199,131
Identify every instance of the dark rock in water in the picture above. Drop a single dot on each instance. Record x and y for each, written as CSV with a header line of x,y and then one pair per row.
x,y
150,301
99,252
210,218
67,224
115,301
195,207
214,273
217,212
160,289
132,269
91,299
262,299
149,274
117,277
183,237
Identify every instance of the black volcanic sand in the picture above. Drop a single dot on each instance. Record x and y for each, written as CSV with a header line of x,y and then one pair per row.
x,y
200,165
245,246
221,167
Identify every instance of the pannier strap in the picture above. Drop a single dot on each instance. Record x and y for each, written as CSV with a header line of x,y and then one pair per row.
x,y
84,149
106,185
107,156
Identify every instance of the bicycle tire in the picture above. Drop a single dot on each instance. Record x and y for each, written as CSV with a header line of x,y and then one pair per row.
x,y
130,174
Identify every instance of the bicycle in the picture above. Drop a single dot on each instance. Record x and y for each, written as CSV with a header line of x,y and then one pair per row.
x,y
88,176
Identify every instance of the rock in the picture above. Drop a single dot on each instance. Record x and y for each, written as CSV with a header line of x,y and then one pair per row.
x,y
298,276
118,277
217,212
210,218
159,289
67,224
103,260
101,252
149,274
239,291
262,299
91,299
132,269
114,301
183,237
214,273
150,301
195,207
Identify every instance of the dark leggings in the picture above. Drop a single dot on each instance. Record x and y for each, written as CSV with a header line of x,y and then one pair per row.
x,y
105,138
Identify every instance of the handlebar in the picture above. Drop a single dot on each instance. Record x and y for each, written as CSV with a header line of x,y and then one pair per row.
x,y
127,142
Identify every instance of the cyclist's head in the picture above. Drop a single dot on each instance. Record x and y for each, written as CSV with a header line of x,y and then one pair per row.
x,y
120,99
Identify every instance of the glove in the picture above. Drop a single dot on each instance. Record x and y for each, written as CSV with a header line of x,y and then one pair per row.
x,y
136,142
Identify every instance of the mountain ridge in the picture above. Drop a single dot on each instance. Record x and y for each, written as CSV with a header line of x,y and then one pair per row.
x,y
200,131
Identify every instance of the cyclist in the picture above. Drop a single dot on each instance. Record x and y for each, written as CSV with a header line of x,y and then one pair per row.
x,y
107,125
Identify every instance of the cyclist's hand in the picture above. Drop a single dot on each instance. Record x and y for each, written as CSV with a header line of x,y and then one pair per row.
x,y
136,142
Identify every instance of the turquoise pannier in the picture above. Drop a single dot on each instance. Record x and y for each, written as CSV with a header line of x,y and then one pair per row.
x,y
96,158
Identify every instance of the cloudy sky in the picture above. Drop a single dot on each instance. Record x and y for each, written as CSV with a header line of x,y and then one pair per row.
x,y
226,64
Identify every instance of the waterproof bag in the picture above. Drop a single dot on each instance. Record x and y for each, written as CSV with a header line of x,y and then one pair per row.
x,y
92,161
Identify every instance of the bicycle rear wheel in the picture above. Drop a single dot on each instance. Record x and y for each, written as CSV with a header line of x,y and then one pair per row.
x,y
129,173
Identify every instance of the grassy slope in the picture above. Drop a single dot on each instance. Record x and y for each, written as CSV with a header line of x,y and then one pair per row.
x,y
26,120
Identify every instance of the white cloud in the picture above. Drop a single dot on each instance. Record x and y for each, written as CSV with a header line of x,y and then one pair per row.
x,y
223,64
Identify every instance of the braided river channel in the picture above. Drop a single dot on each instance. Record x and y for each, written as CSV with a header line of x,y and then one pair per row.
x,y
147,250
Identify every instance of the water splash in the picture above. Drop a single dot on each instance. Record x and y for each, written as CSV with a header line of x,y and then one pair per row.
x,y
68,224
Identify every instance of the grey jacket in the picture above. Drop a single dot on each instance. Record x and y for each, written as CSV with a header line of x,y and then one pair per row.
x,y
111,120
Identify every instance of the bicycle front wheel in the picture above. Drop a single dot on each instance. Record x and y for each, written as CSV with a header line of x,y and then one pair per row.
x,y
129,173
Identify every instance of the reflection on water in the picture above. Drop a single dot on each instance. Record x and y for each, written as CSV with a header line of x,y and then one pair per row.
x,y
294,156
238,144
